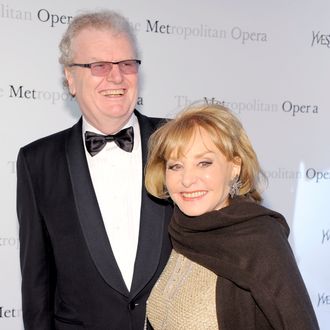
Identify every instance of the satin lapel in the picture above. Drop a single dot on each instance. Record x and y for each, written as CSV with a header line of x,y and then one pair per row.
x,y
151,224
89,212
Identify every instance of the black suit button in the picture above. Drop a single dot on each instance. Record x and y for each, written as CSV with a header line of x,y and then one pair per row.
x,y
132,305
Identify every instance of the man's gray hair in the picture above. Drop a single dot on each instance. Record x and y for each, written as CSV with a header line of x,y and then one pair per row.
x,y
103,20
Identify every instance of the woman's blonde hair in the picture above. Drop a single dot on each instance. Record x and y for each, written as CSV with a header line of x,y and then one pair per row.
x,y
226,132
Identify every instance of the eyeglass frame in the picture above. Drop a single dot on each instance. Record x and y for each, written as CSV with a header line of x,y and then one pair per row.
x,y
89,65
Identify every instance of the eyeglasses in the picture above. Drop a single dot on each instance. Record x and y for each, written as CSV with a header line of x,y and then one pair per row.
x,y
101,69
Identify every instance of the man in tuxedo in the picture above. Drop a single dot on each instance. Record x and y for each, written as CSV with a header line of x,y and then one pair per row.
x,y
93,242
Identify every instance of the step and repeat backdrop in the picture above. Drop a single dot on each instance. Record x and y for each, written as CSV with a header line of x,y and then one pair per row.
x,y
267,61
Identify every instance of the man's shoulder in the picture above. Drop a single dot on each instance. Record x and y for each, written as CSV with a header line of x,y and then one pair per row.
x,y
49,141
153,122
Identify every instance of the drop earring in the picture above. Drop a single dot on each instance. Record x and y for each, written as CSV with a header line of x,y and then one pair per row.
x,y
234,186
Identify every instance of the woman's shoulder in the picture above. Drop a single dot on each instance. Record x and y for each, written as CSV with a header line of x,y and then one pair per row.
x,y
258,217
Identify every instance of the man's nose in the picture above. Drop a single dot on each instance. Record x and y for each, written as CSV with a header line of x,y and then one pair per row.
x,y
115,75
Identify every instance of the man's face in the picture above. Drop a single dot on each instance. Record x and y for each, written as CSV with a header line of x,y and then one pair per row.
x,y
108,101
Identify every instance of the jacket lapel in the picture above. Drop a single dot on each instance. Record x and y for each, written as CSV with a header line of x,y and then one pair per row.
x,y
152,223
89,213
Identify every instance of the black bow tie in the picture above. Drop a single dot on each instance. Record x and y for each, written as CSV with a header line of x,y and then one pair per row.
x,y
96,142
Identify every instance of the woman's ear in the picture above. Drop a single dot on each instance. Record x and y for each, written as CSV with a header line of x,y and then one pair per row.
x,y
237,163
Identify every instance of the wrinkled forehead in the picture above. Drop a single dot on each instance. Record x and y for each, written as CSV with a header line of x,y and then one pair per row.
x,y
101,44
91,33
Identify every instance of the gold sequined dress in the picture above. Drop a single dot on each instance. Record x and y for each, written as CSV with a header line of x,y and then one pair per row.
x,y
184,297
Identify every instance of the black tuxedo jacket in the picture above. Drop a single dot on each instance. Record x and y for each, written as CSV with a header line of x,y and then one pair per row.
x,y
70,278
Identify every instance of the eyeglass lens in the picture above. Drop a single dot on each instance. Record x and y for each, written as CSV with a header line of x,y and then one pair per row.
x,y
103,68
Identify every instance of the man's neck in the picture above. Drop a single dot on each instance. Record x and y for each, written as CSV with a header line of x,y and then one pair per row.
x,y
111,126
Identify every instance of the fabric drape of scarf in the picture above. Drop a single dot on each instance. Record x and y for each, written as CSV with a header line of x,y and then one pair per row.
x,y
259,285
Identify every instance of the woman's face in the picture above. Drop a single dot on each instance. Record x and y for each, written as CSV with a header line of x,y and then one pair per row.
x,y
199,180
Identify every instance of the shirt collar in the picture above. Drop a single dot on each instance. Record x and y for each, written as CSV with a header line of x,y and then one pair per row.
x,y
86,126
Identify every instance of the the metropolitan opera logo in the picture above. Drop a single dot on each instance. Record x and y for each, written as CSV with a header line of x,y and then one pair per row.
x,y
256,105
242,35
54,19
21,92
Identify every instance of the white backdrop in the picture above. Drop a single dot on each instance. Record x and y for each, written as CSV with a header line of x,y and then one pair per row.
x,y
267,60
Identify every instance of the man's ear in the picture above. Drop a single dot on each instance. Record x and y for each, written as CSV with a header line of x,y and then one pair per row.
x,y
70,81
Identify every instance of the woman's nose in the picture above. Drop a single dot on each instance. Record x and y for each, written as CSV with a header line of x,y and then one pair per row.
x,y
189,177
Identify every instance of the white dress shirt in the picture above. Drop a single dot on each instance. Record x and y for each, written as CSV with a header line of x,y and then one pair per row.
x,y
117,180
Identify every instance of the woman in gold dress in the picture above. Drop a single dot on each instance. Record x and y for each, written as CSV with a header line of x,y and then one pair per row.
x,y
231,266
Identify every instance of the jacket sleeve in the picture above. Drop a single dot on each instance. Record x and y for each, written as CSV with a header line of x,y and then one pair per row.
x,y
36,259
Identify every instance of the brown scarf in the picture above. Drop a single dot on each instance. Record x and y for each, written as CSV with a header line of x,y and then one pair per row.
x,y
246,245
